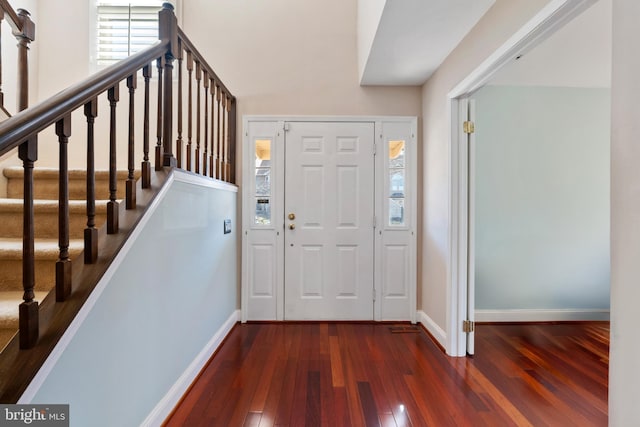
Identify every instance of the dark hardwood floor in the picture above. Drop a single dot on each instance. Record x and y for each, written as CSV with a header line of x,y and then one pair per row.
x,y
350,374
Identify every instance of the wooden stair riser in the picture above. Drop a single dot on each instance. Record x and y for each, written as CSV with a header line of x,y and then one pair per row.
x,y
46,255
11,279
46,221
9,302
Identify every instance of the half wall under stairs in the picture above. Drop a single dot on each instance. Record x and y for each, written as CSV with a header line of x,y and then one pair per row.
x,y
162,307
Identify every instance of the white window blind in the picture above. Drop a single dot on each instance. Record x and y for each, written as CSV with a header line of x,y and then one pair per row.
x,y
124,29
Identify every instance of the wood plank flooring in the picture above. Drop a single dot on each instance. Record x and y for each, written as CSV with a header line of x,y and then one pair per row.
x,y
351,374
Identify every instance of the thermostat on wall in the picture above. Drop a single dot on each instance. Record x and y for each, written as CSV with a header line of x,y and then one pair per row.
x,y
227,226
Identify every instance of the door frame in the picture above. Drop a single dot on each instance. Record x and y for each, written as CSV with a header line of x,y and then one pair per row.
x,y
279,223
459,302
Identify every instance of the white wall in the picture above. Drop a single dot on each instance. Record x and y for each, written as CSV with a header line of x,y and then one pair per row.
x,y
369,15
577,55
291,57
288,57
624,367
158,308
63,48
542,199
498,24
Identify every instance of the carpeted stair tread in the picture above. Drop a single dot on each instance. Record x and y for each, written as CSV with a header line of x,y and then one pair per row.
x,y
75,206
17,172
45,249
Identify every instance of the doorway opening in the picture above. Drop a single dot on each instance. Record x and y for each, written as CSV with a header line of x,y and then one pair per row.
x,y
462,269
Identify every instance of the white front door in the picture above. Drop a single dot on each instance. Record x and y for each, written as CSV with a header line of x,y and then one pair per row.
x,y
329,221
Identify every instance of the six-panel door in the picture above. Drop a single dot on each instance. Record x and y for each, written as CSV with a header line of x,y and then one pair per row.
x,y
329,213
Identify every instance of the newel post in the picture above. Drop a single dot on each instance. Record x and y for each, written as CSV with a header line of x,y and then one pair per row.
x,y
26,36
168,31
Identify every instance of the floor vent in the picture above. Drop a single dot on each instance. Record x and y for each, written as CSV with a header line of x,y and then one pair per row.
x,y
403,329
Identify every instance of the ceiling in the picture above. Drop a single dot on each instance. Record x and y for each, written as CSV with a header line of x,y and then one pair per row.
x,y
433,28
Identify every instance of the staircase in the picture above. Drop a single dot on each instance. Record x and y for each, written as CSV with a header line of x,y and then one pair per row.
x,y
46,232
191,100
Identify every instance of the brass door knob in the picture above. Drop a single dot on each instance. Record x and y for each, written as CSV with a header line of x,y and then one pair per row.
x,y
292,226
292,216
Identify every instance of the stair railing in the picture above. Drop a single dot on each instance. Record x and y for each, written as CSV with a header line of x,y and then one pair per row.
x,y
24,30
22,130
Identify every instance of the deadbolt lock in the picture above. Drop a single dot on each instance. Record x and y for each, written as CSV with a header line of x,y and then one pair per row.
x,y
292,216
292,226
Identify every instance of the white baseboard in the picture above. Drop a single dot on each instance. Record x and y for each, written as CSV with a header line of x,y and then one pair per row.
x,y
438,333
162,410
541,315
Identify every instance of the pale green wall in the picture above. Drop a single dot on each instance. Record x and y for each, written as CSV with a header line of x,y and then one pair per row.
x,y
171,294
542,198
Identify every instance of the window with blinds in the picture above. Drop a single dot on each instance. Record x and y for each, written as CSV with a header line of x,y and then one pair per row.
x,y
125,28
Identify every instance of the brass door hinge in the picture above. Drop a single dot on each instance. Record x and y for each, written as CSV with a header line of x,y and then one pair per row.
x,y
468,127
468,326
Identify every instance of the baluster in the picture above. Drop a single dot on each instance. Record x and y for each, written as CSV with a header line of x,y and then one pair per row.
x,y
63,265
27,35
179,140
130,203
146,166
225,111
159,120
205,81
28,310
112,205
190,108
228,130
198,77
91,232
213,149
231,140
219,154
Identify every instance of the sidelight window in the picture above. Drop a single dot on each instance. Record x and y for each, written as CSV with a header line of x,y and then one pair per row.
x,y
262,182
396,182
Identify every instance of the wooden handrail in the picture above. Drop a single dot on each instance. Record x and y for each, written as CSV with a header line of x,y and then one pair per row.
x,y
29,122
12,15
